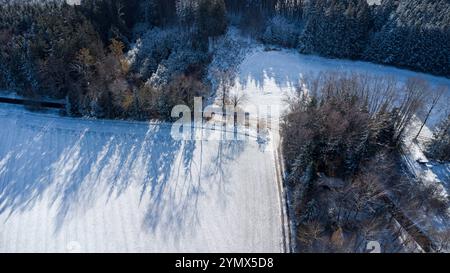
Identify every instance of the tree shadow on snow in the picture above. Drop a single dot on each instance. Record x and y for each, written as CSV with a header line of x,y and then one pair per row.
x,y
75,167
196,174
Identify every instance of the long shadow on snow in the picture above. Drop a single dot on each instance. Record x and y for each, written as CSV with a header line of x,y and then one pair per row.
x,y
74,168
276,70
196,167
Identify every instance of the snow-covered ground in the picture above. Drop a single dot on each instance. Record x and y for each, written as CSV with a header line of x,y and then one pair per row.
x,y
109,186
270,77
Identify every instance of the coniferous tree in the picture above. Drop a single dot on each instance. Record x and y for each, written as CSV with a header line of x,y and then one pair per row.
x,y
212,20
336,28
414,34
439,147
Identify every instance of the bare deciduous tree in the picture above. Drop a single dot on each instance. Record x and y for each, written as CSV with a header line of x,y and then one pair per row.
x,y
238,98
434,99
414,95
226,82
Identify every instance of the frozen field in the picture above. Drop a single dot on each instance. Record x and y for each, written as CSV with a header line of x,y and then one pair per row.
x,y
92,186
270,77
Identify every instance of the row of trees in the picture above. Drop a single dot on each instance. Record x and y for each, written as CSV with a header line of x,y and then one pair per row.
x,y
42,41
39,43
91,54
207,17
414,34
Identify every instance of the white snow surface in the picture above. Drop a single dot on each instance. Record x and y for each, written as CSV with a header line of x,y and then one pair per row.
x,y
107,186
269,78
73,185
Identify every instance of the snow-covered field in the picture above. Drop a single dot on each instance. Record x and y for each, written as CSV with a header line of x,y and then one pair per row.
x,y
109,186
270,77
104,186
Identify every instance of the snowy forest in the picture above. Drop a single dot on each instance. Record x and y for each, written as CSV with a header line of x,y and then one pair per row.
x,y
343,148
342,136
